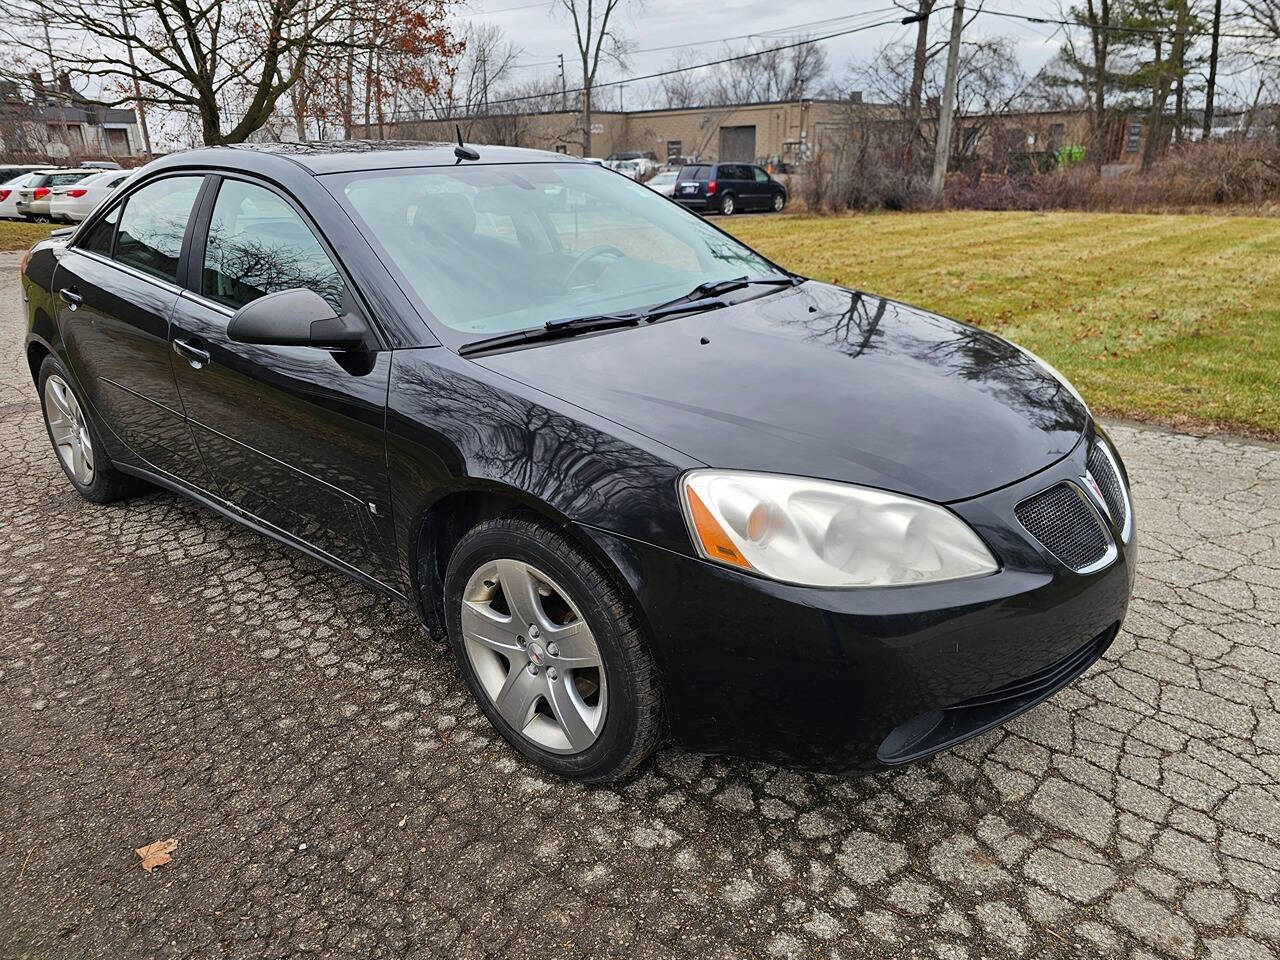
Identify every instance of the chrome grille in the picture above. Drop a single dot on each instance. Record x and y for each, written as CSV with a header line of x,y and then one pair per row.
x,y
1108,481
1066,523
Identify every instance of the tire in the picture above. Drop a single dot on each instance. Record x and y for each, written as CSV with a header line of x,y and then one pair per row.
x,y
779,201
620,719
728,204
103,483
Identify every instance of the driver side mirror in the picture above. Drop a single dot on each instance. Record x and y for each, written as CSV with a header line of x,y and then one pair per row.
x,y
296,318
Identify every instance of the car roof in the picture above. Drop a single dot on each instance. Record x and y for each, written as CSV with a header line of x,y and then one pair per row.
x,y
343,156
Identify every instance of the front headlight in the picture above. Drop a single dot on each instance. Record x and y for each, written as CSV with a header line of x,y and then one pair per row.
x,y
825,534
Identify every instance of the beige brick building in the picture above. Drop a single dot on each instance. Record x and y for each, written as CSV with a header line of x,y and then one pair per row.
x,y
782,134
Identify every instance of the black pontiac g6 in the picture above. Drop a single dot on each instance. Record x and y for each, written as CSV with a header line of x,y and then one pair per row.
x,y
647,482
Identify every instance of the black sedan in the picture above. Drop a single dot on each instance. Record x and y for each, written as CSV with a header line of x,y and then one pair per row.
x,y
647,482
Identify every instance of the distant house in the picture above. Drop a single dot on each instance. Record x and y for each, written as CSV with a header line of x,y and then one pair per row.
x,y
62,126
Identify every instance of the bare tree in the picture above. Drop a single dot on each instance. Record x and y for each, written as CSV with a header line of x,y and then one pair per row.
x,y
595,32
481,74
229,64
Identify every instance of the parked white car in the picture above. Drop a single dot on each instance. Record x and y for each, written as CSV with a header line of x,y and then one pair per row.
x,y
664,183
628,168
9,195
75,201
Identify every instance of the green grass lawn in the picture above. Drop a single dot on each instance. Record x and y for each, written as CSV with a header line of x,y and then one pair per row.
x,y
1174,319
18,235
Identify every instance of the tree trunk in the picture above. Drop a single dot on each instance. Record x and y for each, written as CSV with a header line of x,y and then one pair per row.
x,y
1100,36
586,109
918,65
1211,86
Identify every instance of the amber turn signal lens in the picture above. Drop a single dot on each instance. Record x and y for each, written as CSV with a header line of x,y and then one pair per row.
x,y
715,541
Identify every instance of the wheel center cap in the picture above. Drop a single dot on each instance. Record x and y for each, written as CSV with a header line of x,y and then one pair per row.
x,y
537,655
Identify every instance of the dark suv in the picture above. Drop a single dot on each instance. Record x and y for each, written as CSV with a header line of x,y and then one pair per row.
x,y
728,188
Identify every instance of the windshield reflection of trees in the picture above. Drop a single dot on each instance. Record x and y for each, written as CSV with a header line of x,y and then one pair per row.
x,y
857,324
584,473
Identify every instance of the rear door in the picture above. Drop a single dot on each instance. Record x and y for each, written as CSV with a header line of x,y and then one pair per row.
x,y
762,189
115,290
293,435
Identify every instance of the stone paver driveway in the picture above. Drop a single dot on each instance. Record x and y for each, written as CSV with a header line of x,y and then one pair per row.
x,y
333,791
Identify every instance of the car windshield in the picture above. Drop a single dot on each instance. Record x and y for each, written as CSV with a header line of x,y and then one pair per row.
x,y
490,249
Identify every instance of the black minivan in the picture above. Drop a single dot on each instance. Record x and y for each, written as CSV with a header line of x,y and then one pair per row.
x,y
728,188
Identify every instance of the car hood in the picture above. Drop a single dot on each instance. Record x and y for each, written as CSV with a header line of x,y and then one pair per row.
x,y
825,382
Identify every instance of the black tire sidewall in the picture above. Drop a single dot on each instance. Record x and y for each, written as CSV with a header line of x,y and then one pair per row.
x,y
519,540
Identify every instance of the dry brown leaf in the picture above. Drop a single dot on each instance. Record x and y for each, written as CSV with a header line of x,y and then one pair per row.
x,y
156,854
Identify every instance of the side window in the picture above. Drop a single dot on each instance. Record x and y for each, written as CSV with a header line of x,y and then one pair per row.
x,y
761,176
100,235
258,245
152,225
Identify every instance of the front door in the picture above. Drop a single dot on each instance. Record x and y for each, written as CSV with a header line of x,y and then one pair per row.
x,y
115,290
294,435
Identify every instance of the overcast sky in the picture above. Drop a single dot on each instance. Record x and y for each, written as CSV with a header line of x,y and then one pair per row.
x,y
660,29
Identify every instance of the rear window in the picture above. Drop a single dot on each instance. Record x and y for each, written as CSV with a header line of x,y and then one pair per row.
x,y
696,172
62,179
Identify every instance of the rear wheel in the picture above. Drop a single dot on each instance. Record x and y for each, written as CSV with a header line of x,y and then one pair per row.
x,y
75,442
552,651
728,205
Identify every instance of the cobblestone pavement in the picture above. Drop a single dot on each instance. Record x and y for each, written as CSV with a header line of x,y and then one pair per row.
x,y
164,673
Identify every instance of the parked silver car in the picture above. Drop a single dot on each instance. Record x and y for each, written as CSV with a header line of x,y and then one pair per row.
x,y
34,196
75,201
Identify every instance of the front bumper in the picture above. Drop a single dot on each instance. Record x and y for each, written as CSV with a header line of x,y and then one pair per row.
x,y
854,680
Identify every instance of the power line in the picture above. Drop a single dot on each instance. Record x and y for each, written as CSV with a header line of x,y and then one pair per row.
x,y
715,63
1117,28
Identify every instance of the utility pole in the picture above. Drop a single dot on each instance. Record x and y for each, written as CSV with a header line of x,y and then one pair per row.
x,y
53,82
621,87
484,82
564,97
942,150
137,87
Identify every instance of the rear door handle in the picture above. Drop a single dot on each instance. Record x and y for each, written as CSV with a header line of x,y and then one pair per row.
x,y
193,354
69,295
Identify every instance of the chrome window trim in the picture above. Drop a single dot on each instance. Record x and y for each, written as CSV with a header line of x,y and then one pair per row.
x,y
131,271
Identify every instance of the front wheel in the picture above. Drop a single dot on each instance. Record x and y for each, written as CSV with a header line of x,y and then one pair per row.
x,y
779,201
75,441
551,649
727,205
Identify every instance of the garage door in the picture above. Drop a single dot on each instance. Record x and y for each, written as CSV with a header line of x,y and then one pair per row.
x,y
738,143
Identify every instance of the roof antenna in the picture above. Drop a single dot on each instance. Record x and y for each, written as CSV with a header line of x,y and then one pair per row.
x,y
464,152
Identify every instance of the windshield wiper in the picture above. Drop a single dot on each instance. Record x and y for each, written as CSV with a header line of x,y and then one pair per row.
x,y
705,296
718,288
552,330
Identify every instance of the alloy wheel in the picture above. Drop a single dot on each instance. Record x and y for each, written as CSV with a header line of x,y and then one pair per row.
x,y
726,206
69,430
535,655
778,203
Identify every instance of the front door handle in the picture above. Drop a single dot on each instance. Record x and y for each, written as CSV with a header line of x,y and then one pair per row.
x,y
194,355
69,295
